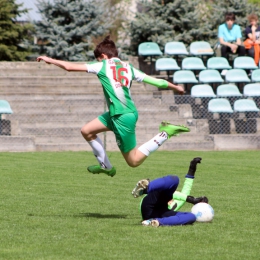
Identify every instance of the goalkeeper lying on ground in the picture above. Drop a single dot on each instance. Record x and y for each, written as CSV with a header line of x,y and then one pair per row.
x,y
161,204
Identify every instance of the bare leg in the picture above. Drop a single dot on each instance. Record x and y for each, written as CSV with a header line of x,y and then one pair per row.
x,y
134,158
90,130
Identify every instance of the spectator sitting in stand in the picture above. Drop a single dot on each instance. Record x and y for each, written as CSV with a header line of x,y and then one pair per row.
x,y
229,34
252,33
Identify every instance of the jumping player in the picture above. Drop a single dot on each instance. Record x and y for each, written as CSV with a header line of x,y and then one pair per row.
x,y
116,78
161,204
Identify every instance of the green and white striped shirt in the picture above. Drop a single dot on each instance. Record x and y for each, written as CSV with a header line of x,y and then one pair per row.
x,y
116,78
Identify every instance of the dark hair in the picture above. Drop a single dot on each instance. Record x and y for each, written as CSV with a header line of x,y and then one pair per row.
x,y
230,16
108,47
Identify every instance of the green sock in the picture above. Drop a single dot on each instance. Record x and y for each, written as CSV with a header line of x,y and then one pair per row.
x,y
180,197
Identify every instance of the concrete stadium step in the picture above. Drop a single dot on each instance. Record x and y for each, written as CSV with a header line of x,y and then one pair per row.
x,y
43,117
17,144
48,80
49,110
51,71
64,147
61,88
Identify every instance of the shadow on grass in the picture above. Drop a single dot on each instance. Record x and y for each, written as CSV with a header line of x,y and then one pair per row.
x,y
83,215
98,215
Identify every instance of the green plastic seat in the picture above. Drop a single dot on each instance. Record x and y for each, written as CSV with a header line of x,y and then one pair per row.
x,y
245,105
255,76
184,76
219,105
192,63
175,48
201,48
228,90
236,75
5,107
252,90
166,64
202,91
244,63
149,49
210,76
218,63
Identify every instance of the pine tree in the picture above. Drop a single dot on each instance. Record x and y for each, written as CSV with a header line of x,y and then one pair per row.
x,y
162,21
12,33
241,8
68,27
171,20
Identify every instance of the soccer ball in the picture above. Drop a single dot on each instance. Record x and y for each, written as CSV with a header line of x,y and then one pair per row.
x,y
203,212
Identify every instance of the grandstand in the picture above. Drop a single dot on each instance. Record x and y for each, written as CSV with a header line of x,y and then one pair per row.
x,y
50,105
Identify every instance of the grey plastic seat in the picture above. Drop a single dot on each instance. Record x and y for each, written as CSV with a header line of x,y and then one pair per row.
x,y
244,63
245,105
210,76
252,90
255,76
5,108
192,63
166,64
228,90
218,63
219,105
149,49
175,48
201,48
202,91
184,76
236,75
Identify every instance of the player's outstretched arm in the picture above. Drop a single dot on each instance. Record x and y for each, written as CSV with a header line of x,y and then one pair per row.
x,y
161,83
69,66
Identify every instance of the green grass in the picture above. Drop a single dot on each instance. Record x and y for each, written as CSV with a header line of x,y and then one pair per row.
x,y
52,208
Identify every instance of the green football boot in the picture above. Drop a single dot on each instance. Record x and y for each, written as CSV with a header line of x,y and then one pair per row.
x,y
172,130
96,169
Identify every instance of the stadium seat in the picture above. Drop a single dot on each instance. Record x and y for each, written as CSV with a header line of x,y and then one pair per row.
x,y
245,105
236,75
245,115
175,48
201,48
255,76
221,108
192,63
149,49
210,76
252,90
5,108
218,63
228,90
184,76
202,91
5,125
244,63
200,96
219,105
166,64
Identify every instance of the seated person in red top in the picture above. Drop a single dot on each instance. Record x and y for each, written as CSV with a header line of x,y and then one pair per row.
x,y
252,35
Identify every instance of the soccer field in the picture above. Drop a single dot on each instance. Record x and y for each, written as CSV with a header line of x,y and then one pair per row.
x,y
52,208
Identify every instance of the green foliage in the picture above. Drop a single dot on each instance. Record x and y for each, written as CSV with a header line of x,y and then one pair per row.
x,y
183,20
68,27
52,208
12,33
241,8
